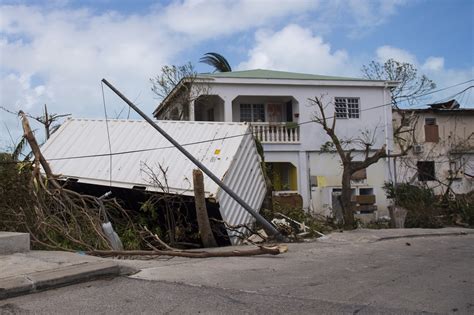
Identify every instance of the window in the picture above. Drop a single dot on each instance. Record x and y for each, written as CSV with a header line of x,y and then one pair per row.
x,y
252,112
430,121
426,171
347,107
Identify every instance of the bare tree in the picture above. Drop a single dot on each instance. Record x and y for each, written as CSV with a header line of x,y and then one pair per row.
x,y
346,148
50,124
180,85
411,87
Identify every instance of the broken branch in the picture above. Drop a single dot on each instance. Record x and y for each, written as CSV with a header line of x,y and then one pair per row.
x,y
262,250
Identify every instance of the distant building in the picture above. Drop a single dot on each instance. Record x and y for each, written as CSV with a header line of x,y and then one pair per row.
x,y
443,147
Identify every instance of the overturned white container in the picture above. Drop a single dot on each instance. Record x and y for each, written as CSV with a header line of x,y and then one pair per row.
x,y
79,150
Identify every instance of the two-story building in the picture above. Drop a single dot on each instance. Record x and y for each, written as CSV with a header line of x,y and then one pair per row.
x,y
442,154
277,106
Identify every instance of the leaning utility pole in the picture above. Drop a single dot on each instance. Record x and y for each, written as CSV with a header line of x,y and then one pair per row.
x,y
267,226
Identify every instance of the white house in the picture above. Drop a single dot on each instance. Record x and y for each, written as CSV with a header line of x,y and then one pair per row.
x,y
277,105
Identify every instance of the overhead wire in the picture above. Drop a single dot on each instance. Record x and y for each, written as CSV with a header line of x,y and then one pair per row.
x,y
233,136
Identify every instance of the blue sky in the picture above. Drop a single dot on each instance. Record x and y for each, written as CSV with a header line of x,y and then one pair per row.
x,y
56,52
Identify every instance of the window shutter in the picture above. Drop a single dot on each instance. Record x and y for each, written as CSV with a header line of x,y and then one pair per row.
x,y
431,133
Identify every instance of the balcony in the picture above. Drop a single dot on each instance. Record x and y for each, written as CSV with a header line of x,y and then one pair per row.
x,y
276,132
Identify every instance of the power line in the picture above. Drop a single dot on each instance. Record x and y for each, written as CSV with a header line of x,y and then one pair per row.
x,y
234,136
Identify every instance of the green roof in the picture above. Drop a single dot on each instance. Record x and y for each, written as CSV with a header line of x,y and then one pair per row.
x,y
272,74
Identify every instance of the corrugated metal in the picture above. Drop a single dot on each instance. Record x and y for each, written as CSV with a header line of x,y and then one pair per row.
x,y
246,179
234,159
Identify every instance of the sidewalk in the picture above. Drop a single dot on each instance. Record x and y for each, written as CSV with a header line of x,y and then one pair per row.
x,y
22,273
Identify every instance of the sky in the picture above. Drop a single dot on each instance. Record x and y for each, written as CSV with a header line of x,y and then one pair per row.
x,y
56,52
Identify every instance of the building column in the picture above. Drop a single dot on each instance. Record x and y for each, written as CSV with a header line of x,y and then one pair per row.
x,y
228,108
303,172
192,117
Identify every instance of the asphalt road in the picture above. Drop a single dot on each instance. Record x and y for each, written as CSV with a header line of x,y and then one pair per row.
x,y
404,276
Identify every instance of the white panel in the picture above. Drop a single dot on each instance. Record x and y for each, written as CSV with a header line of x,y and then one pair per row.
x,y
246,179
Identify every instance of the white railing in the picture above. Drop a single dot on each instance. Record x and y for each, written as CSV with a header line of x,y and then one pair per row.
x,y
276,132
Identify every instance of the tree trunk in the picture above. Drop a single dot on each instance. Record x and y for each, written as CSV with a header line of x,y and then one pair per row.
x,y
346,203
267,201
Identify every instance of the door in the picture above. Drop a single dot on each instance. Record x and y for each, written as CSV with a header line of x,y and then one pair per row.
x,y
275,112
336,205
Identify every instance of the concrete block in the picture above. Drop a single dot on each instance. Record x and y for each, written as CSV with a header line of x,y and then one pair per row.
x,y
13,242
56,277
14,286
73,274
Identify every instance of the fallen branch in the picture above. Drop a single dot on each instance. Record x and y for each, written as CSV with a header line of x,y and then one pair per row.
x,y
262,250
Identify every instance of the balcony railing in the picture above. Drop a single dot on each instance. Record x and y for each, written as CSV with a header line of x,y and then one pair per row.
x,y
276,132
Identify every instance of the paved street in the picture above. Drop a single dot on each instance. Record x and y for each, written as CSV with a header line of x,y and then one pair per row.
x,y
410,275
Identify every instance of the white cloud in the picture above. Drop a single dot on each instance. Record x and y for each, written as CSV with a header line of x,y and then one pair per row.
x,y
58,57
210,18
356,17
295,49
434,68
433,64
384,53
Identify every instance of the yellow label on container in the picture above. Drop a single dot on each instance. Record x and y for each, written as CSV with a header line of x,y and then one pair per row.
x,y
217,152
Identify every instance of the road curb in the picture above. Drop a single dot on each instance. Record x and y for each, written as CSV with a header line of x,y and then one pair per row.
x,y
48,279
386,238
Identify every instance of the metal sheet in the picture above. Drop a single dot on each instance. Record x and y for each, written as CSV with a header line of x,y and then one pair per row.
x,y
246,179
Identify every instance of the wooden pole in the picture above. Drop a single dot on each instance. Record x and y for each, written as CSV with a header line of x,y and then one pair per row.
x,y
205,231
46,122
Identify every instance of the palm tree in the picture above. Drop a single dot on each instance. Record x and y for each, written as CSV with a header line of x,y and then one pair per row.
x,y
217,61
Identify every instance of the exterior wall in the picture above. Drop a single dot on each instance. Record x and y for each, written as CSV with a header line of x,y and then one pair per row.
x,y
455,146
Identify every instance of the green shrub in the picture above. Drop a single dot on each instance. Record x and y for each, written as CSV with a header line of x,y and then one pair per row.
x,y
427,210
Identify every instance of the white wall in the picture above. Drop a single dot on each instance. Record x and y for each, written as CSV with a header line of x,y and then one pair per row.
x,y
328,165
